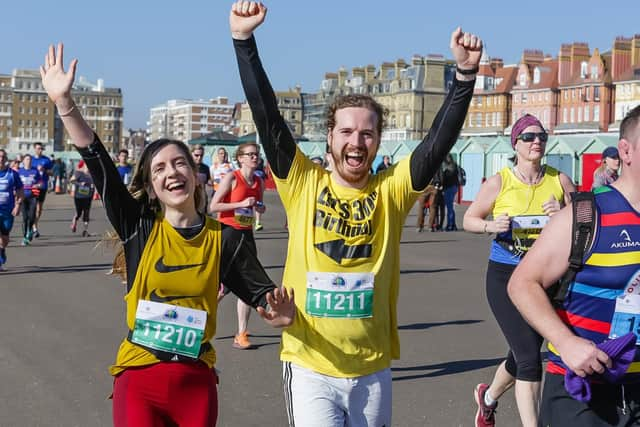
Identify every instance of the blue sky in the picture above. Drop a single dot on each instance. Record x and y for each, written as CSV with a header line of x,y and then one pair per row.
x,y
182,49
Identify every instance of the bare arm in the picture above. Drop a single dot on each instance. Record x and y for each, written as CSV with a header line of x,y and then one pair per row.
x,y
544,265
475,217
225,187
568,186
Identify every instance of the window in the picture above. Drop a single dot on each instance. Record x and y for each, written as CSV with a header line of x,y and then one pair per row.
x,y
583,69
479,120
596,93
536,75
596,113
579,114
524,98
586,113
564,115
594,71
523,79
572,115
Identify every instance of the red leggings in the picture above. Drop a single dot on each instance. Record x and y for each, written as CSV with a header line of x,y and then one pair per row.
x,y
166,394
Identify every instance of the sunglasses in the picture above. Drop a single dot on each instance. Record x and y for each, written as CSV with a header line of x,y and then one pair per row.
x,y
531,136
250,155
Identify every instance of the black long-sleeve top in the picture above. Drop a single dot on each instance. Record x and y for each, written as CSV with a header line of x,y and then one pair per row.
x,y
240,269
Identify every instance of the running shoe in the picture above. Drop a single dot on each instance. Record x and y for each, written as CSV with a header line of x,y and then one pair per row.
x,y
241,341
25,242
36,233
486,415
3,257
74,226
29,235
85,233
259,227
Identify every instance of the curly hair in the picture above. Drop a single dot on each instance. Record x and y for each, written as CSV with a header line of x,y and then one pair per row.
x,y
357,100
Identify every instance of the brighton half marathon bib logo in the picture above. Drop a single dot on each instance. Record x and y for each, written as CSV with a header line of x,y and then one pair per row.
x,y
346,219
626,317
169,328
625,241
340,295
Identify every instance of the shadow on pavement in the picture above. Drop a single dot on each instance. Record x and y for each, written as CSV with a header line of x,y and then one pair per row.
x,y
420,326
446,368
56,269
433,270
419,242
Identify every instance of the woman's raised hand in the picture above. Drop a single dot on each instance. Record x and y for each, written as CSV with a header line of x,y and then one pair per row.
x,y
55,80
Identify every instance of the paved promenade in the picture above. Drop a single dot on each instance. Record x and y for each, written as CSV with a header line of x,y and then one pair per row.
x,y
62,319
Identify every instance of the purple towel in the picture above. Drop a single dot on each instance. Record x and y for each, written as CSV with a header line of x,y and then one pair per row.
x,y
621,350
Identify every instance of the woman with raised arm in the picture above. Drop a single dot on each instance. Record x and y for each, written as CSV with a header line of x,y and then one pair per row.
x,y
521,199
175,257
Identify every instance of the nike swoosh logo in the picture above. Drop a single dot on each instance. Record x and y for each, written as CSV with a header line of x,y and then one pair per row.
x,y
161,267
157,298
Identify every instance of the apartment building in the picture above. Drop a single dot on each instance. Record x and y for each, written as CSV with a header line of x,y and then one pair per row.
x,y
184,119
290,107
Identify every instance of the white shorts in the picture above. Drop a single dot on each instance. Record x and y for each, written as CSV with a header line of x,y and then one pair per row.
x,y
317,400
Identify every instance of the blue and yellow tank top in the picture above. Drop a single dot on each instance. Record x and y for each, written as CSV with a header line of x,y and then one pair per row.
x,y
610,266
520,200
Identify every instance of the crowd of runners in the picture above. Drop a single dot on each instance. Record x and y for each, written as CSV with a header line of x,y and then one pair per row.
x,y
563,266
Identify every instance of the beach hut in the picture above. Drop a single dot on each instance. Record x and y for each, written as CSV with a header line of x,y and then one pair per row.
x,y
499,155
472,159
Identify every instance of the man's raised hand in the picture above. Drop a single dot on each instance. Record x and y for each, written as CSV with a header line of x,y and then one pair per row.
x,y
466,49
245,17
55,80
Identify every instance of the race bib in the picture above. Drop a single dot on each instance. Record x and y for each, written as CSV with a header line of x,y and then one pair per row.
x,y
340,295
169,328
535,222
84,190
244,216
626,317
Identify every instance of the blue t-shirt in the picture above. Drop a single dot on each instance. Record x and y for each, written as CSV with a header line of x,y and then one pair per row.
x,y
125,173
47,165
30,177
9,183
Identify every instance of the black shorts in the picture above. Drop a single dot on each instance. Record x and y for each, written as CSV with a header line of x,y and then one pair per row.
x,y
42,196
248,240
558,409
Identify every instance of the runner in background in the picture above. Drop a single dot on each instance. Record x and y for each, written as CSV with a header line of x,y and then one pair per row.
x,y
260,173
204,176
520,199
83,190
11,196
44,166
125,170
33,184
237,201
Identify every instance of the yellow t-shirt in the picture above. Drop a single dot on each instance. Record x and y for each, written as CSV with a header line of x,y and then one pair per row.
x,y
340,230
171,265
519,199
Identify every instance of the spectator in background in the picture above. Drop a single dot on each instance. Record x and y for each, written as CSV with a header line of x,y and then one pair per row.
x,y
124,168
220,166
450,186
386,164
607,172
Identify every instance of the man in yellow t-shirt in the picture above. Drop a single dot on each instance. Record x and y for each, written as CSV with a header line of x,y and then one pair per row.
x,y
343,259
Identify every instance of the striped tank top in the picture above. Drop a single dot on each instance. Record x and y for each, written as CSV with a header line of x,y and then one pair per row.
x,y
610,267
